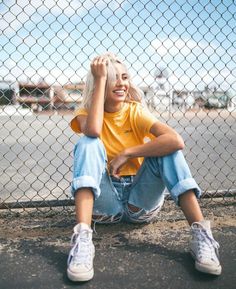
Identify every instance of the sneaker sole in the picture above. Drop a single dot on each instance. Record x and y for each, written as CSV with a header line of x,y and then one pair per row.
x,y
206,269
209,270
80,277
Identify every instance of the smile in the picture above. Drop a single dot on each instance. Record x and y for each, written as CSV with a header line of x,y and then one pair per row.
x,y
119,91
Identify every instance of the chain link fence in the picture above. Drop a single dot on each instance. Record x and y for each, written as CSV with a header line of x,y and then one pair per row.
x,y
182,54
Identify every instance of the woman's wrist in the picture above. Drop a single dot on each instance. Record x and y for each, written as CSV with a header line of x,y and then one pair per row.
x,y
127,153
100,79
99,87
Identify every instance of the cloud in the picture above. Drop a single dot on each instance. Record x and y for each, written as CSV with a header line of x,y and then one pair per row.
x,y
194,63
12,72
16,14
22,8
172,47
30,14
31,6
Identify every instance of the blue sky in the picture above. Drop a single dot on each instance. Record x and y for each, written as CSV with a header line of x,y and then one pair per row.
x,y
56,39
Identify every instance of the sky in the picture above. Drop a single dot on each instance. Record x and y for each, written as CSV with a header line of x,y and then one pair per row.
x,y
55,40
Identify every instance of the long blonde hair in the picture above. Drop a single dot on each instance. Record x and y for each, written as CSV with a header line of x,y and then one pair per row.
x,y
134,93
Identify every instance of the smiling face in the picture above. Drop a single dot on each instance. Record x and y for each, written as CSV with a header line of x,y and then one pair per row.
x,y
117,88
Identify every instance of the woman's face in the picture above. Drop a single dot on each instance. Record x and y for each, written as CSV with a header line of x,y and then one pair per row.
x,y
118,88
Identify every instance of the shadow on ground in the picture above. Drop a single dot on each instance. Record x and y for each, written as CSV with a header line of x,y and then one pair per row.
x,y
34,254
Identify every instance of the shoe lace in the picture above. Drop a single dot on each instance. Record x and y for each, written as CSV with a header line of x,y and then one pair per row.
x,y
81,252
207,246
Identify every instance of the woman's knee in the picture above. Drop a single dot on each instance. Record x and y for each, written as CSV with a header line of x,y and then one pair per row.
x,y
86,141
89,163
90,144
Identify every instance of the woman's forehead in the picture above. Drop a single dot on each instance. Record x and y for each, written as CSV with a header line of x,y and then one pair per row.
x,y
120,68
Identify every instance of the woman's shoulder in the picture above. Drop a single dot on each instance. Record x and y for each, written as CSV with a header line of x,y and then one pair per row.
x,y
134,104
81,111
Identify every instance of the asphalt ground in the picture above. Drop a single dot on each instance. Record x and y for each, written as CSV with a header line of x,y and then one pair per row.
x,y
34,248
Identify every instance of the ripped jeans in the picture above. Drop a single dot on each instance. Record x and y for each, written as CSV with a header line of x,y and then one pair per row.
x,y
145,190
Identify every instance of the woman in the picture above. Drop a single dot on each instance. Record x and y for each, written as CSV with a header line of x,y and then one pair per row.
x,y
120,176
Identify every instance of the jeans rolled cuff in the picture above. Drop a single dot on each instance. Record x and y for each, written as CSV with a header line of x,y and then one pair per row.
x,y
182,187
85,182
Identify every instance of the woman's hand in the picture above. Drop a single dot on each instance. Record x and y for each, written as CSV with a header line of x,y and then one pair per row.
x,y
99,67
116,163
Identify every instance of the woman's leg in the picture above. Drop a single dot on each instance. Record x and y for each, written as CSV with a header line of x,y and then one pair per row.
x,y
91,186
181,185
146,194
108,207
89,166
190,207
156,173
185,191
176,176
84,199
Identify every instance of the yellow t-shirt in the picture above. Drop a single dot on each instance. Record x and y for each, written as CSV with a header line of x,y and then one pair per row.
x,y
122,129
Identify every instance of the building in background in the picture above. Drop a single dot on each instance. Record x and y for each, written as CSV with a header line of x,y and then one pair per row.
x,y
212,98
162,97
68,96
7,92
42,96
183,99
35,96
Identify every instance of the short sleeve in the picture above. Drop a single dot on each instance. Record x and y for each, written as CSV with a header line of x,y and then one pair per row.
x,y
143,119
74,123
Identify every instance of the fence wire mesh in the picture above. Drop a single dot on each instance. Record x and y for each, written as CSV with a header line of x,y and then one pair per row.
x,y
182,54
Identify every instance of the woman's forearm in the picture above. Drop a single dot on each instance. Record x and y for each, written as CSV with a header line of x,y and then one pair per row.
x,y
162,145
95,115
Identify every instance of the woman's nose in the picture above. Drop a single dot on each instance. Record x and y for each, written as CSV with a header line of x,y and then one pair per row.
x,y
119,81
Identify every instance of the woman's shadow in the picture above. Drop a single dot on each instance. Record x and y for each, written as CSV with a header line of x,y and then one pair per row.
x,y
57,256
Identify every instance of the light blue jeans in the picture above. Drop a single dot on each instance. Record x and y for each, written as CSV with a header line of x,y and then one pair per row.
x,y
144,191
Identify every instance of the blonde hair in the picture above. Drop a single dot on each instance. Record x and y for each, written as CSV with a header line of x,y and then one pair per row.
x,y
134,93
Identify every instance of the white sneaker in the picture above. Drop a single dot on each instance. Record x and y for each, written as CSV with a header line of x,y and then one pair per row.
x,y
80,260
204,248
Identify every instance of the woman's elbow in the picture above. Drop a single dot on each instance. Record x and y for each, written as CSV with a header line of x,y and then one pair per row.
x,y
92,133
180,142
